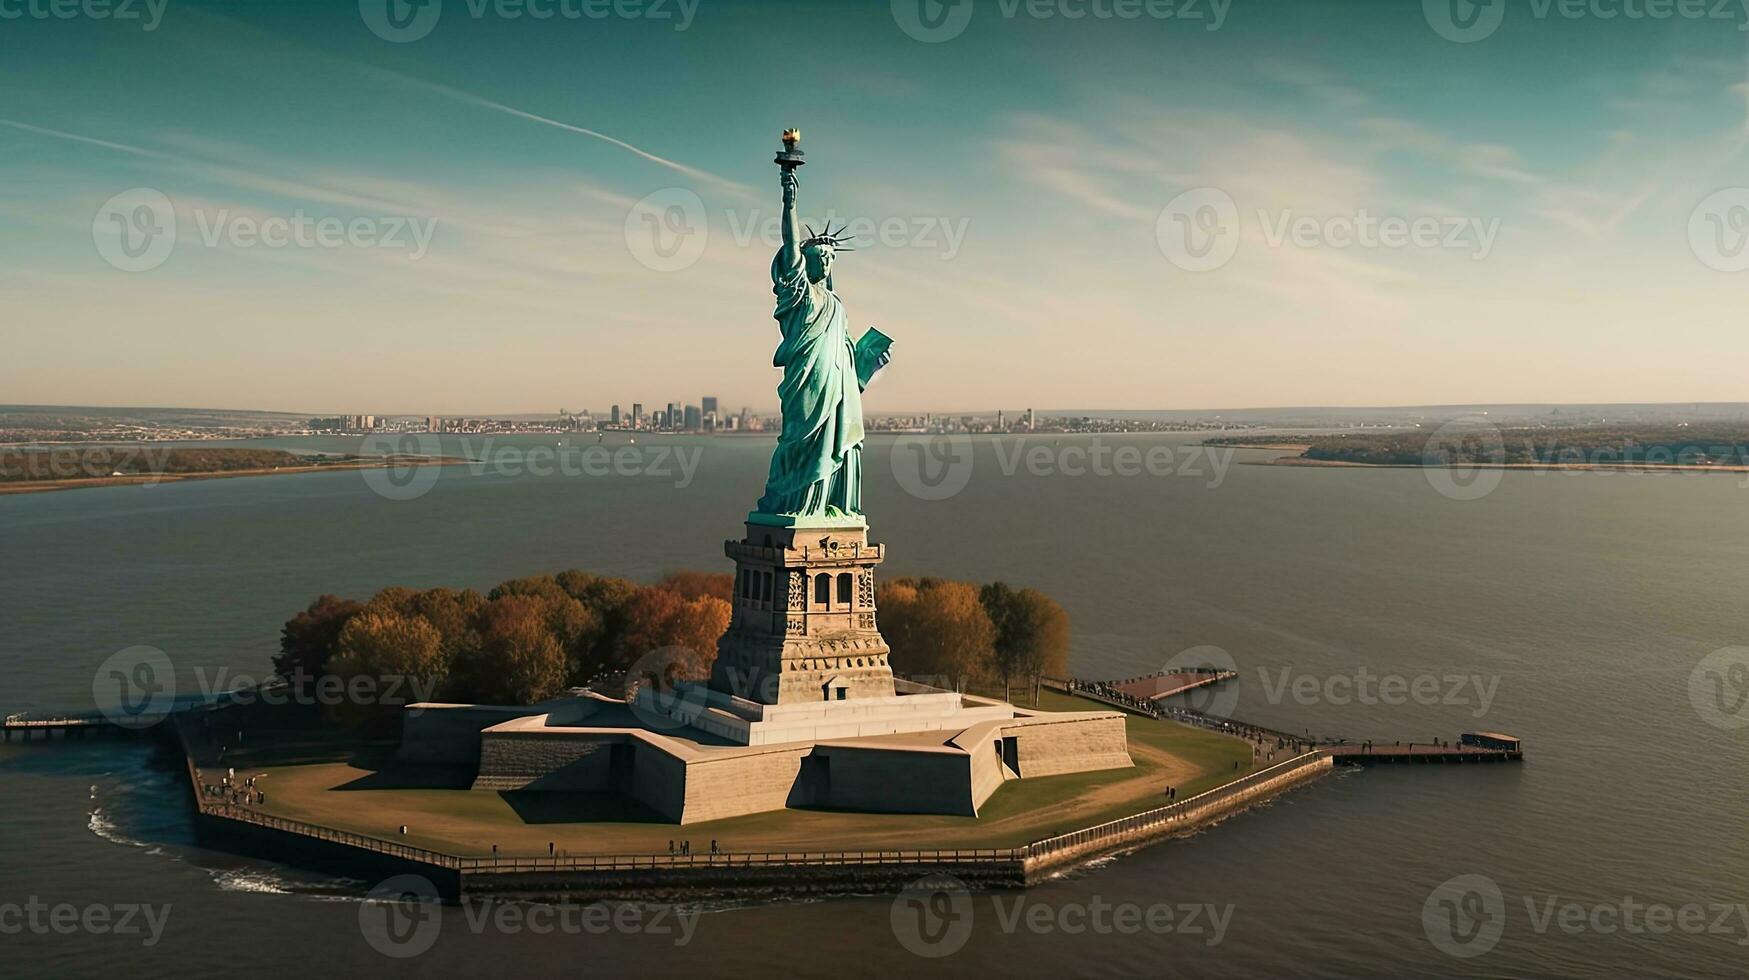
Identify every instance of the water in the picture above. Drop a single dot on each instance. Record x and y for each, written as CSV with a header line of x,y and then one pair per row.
x,y
1580,603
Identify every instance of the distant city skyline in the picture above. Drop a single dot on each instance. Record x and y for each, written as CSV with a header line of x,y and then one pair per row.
x,y
506,215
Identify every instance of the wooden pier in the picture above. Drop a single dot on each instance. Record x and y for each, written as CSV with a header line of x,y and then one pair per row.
x,y
1471,747
26,727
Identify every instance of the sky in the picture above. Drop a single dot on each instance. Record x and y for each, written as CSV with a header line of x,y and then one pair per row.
x,y
478,206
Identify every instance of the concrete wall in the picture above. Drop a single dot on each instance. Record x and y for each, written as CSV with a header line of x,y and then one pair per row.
x,y
899,781
659,781
1050,747
449,734
732,787
545,761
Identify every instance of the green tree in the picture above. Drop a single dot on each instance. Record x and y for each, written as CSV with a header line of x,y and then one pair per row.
x,y
1032,638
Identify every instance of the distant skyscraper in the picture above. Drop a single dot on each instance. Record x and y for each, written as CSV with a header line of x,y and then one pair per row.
x,y
694,418
433,424
674,415
1029,422
637,414
613,416
708,404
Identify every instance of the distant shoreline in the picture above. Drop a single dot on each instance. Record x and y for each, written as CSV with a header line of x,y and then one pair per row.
x,y
80,483
1577,467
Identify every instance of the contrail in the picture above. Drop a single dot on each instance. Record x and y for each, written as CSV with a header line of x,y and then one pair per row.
x,y
75,137
476,100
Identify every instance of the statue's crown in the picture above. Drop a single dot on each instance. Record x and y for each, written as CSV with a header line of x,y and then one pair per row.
x,y
836,239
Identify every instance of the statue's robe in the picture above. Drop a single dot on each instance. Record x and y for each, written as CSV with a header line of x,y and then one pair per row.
x,y
817,468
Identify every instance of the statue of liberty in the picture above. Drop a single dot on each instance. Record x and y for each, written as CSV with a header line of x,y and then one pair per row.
x,y
816,471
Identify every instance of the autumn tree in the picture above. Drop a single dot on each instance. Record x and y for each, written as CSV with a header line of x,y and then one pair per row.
x,y
384,659
453,614
691,585
661,619
937,627
308,640
518,660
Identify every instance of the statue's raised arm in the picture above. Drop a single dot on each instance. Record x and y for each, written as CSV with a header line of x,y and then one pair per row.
x,y
792,226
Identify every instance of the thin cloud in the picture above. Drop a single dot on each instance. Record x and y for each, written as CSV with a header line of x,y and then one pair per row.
x,y
88,140
485,103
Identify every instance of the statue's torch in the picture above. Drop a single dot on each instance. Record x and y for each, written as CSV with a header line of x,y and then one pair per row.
x,y
789,157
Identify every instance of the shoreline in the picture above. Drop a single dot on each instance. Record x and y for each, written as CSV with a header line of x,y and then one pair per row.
x,y
152,479
1647,468
1612,467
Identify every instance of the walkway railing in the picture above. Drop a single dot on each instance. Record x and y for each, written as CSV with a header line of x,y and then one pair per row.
x,y
1170,813
508,863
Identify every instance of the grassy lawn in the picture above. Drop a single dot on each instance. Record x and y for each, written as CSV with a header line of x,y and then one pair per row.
x,y
308,776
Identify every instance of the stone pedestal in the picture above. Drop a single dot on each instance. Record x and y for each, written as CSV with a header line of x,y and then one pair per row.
x,y
804,616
